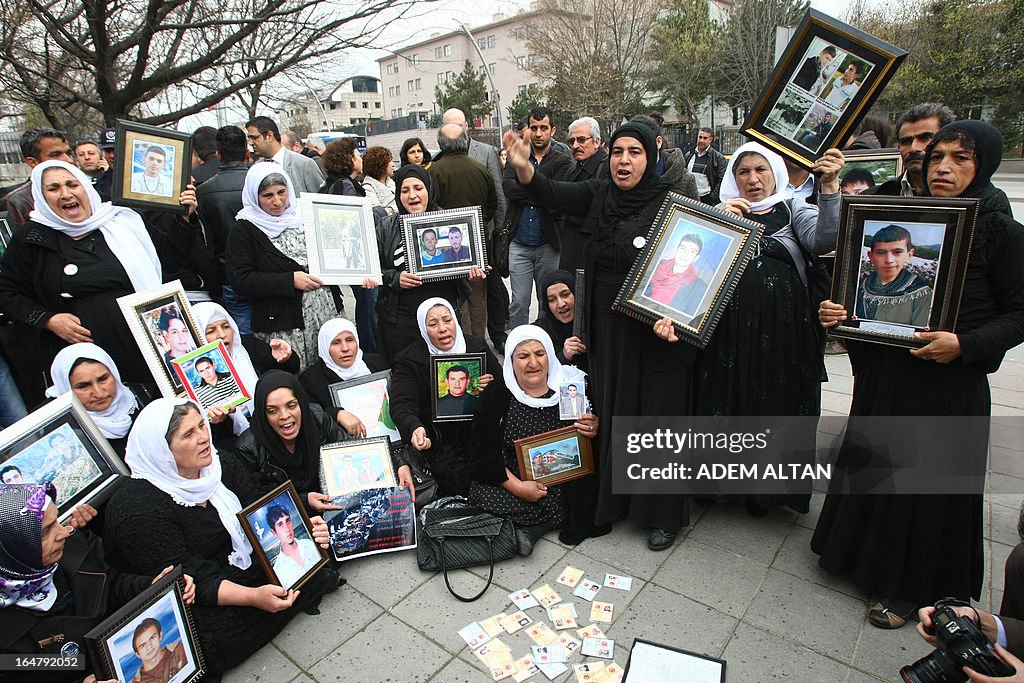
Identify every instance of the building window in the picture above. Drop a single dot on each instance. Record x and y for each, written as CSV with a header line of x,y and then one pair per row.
x,y
440,79
352,105
413,59
448,50
419,83
520,34
449,76
521,62
408,86
481,43
334,105
366,105
492,67
482,69
522,89
437,52
376,105
492,41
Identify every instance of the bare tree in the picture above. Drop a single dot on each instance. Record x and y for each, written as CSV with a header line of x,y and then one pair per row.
x,y
113,56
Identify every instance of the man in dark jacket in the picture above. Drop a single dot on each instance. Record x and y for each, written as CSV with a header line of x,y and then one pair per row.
x,y
914,130
707,165
37,145
204,154
671,160
220,198
591,162
534,250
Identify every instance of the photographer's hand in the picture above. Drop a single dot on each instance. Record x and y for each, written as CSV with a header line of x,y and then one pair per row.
x,y
987,625
1009,659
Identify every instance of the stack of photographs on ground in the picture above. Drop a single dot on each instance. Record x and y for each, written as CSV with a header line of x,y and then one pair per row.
x,y
825,83
376,515
152,638
60,443
900,266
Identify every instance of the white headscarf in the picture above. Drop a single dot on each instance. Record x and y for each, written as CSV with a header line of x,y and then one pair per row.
x,y
207,312
730,190
421,320
328,331
251,211
150,458
122,228
115,421
558,374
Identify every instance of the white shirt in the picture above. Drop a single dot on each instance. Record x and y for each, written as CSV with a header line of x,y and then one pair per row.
x,y
288,570
160,186
804,191
841,93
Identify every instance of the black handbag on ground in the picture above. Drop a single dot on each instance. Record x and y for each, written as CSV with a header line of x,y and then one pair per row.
x,y
422,477
455,534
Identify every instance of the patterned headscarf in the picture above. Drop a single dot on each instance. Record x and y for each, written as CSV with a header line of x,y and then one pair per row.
x,y
24,581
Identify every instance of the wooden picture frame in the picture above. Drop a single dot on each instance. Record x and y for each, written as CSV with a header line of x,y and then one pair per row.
x,y
158,614
266,545
555,457
152,166
449,405
150,317
715,247
192,378
352,466
880,165
59,442
826,81
444,264
369,399
924,294
341,240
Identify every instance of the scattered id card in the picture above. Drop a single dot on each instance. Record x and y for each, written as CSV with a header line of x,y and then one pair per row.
x,y
587,590
598,647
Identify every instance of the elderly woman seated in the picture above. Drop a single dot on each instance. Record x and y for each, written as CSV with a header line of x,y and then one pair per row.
x,y
180,507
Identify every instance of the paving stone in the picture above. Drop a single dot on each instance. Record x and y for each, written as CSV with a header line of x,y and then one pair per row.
x,y
625,549
268,665
1003,522
510,574
713,577
797,559
458,671
386,651
731,528
810,520
302,678
882,652
756,655
824,620
342,614
385,578
861,677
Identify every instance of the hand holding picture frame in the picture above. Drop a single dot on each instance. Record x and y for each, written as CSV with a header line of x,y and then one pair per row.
x,y
151,166
444,245
210,378
341,240
154,632
368,399
60,443
456,385
282,537
356,465
828,78
555,457
900,266
688,268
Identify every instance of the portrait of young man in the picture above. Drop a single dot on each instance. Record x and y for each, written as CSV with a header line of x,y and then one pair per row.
x,y
213,388
297,555
893,293
152,179
675,281
159,662
457,251
458,401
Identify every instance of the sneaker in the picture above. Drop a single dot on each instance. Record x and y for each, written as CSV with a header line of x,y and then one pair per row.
x,y
659,539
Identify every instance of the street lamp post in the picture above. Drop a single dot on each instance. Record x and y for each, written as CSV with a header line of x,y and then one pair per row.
x,y
494,88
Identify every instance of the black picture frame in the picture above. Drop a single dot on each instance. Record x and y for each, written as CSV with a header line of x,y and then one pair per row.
x,y
133,187
6,234
37,447
636,672
790,115
893,318
726,246
469,221
579,314
110,643
475,363
364,396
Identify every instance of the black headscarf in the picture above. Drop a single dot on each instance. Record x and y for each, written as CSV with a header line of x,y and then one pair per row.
x,y
307,445
988,154
622,204
556,329
414,171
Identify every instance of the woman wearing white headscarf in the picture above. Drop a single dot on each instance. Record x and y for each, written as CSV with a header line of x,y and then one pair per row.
x,y
444,445
180,507
526,404
340,359
266,262
66,267
92,375
765,357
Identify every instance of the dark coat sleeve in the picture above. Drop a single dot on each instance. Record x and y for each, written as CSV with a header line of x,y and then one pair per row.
x,y
21,264
487,464
244,272
573,199
1014,635
408,380
314,381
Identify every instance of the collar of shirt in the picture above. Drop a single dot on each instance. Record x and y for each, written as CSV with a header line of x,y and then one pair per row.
x,y
906,189
279,157
805,189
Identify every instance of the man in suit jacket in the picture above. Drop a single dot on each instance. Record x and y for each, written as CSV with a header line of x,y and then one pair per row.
x,y
266,142
497,295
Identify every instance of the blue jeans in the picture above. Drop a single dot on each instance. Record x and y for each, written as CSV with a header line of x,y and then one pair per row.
x,y
366,317
527,266
240,309
12,408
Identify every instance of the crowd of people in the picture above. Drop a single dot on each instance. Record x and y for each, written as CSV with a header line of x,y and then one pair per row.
x,y
549,209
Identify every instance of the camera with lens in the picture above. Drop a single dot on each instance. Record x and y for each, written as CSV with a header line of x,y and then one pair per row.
x,y
961,643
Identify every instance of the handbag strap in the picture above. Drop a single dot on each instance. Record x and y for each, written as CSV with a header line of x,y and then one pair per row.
x,y
490,572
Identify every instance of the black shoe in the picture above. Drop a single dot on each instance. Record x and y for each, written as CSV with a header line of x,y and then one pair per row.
x,y
572,537
659,539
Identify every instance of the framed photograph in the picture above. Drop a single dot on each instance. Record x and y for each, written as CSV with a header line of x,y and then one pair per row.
x,y
368,399
555,457
650,662
456,385
282,537
869,168
210,377
151,166
153,637
372,521
572,400
579,312
161,320
356,465
688,268
341,240
900,266
443,245
60,443
828,78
